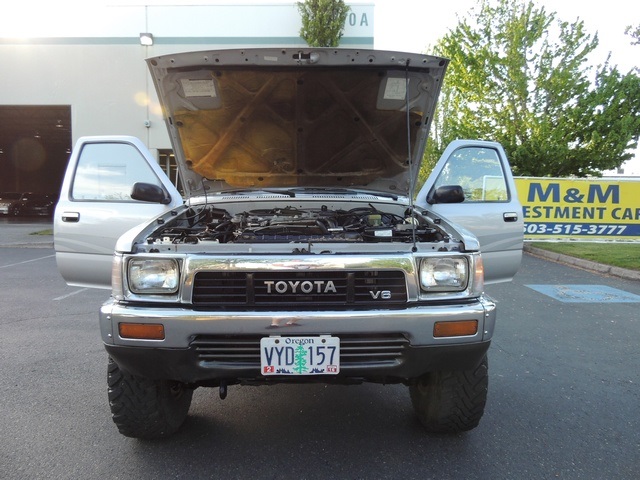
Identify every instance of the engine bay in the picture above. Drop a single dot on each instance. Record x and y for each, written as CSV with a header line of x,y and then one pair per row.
x,y
294,225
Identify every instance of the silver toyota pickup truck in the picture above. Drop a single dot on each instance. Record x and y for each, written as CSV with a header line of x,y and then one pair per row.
x,y
300,247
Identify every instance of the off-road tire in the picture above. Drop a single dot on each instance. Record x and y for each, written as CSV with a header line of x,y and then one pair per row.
x,y
145,408
451,402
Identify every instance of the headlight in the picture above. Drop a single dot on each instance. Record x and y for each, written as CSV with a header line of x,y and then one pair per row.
x,y
449,274
153,275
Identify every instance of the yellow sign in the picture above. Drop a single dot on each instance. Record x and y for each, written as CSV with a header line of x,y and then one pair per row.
x,y
592,208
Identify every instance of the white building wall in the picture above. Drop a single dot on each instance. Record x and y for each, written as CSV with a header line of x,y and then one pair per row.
x,y
90,57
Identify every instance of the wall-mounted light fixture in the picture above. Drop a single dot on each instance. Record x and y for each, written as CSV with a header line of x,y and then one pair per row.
x,y
146,39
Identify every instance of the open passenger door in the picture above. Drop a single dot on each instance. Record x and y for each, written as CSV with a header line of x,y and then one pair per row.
x,y
490,208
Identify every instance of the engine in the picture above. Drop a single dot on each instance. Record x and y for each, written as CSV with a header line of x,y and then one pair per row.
x,y
293,225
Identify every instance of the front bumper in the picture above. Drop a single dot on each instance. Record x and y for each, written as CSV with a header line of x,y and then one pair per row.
x,y
408,333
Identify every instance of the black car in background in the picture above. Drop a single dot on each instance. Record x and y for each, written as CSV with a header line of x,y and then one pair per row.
x,y
28,203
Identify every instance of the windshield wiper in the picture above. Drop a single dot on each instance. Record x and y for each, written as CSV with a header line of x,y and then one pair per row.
x,y
345,191
289,193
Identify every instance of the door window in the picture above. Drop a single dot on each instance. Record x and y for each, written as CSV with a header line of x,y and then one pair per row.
x,y
479,172
107,171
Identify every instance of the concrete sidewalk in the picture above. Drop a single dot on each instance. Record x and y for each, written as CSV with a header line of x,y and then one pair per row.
x,y
21,234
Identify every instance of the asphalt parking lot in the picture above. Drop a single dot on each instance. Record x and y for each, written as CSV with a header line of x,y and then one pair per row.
x,y
563,396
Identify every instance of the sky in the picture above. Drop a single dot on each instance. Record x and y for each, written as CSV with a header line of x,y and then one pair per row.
x,y
416,25
413,25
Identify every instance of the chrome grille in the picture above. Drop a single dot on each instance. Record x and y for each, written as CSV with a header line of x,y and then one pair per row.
x,y
293,290
355,350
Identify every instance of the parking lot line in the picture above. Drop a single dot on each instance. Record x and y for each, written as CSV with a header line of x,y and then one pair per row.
x,y
26,261
70,294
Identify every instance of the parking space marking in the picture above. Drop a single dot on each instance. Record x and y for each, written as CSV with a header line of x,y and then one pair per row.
x,y
586,293
62,297
26,261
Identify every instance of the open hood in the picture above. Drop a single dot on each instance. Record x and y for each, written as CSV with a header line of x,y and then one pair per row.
x,y
286,118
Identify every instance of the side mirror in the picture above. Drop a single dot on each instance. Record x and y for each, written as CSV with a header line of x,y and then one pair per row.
x,y
446,194
148,192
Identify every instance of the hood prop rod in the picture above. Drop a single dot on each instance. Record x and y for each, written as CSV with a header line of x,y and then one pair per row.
x,y
412,176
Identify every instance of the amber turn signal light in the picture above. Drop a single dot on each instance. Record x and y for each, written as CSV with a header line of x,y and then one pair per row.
x,y
141,331
458,328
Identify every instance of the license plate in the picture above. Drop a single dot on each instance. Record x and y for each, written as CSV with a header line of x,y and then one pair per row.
x,y
300,355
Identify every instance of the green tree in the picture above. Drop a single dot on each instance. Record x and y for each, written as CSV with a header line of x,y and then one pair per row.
x,y
322,22
633,32
520,77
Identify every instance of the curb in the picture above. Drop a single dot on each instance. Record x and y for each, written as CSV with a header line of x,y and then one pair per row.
x,y
583,264
27,245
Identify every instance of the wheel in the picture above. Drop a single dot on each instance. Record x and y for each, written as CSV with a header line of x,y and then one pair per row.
x,y
451,402
145,408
